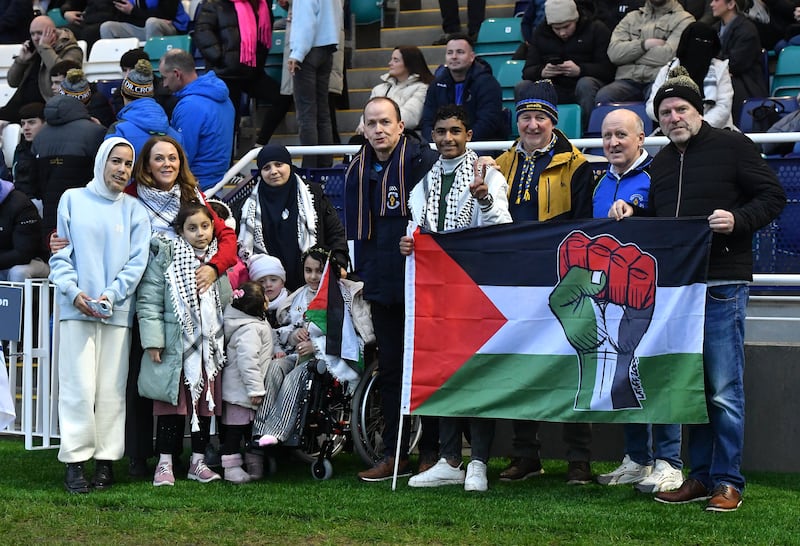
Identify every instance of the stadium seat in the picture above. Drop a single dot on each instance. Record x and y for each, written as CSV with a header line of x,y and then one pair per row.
x,y
11,135
6,92
7,53
103,63
599,113
84,47
58,19
157,46
781,105
278,12
367,11
569,120
508,75
499,36
496,61
786,80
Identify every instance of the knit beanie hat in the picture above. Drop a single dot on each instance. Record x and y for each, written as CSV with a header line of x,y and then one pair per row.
x,y
261,265
560,11
139,81
273,152
75,85
538,96
679,84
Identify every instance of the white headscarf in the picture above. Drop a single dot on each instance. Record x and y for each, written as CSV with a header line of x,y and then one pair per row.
x,y
98,183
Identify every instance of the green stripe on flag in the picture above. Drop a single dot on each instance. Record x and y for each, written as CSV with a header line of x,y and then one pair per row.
x,y
544,387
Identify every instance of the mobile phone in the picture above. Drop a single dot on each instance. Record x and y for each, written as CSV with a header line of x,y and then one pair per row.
x,y
553,59
29,46
101,307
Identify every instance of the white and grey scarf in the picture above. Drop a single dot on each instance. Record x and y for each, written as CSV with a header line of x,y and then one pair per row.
x,y
200,317
454,218
162,207
251,234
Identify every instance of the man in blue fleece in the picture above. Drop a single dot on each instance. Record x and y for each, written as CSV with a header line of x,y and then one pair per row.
x,y
204,116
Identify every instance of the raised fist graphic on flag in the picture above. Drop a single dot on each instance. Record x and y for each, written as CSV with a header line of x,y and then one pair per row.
x,y
604,301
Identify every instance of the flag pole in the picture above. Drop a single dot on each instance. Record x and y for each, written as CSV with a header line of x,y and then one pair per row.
x,y
397,452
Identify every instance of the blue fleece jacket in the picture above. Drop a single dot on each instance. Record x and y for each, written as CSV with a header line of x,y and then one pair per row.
x,y
632,187
204,117
109,241
140,120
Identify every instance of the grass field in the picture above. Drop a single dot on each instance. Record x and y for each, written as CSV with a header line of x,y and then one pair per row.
x,y
292,508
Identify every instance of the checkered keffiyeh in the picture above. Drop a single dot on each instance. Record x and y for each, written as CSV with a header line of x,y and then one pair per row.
x,y
454,218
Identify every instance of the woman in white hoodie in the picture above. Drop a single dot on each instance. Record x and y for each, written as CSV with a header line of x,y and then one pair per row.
x,y
96,276
406,83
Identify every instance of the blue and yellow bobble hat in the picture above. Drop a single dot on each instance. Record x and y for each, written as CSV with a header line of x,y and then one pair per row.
x,y
538,96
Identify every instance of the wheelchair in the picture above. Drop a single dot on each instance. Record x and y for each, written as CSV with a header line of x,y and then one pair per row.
x,y
332,421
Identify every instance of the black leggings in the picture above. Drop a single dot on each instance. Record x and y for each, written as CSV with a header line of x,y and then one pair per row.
x,y
170,431
234,434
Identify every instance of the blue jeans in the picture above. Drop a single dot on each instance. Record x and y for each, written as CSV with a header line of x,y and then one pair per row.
x,y
715,448
666,443
311,103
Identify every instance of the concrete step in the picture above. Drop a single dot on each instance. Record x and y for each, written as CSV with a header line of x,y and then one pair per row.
x,y
419,35
359,97
433,16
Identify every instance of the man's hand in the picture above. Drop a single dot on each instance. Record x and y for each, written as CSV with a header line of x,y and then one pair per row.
x,y
293,65
620,209
721,221
406,245
570,69
49,37
155,354
74,17
478,187
25,52
123,6
650,43
551,71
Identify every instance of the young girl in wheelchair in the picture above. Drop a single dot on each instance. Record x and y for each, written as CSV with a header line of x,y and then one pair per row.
x,y
304,342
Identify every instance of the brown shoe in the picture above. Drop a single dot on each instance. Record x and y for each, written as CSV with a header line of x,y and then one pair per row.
x,y
384,470
724,498
579,473
691,491
521,468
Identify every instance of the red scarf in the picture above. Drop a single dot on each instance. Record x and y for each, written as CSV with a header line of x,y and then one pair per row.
x,y
250,32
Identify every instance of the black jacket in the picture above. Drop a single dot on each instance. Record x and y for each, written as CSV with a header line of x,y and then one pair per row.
x,y
720,169
216,35
24,170
482,99
586,47
20,228
65,149
742,47
100,11
15,21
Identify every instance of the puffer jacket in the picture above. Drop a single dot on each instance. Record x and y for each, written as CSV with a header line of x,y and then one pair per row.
x,y
217,36
249,351
626,49
66,48
20,228
65,150
159,326
409,96
140,120
481,98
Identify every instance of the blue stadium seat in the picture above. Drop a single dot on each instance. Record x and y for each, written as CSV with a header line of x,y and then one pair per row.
x,y
786,80
508,75
601,109
776,248
157,46
782,106
499,36
569,120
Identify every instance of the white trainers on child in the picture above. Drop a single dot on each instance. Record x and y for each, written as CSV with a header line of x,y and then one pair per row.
x,y
663,478
476,477
628,472
439,474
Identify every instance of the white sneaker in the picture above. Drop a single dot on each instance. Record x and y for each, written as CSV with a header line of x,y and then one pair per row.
x,y
476,477
663,478
627,472
439,474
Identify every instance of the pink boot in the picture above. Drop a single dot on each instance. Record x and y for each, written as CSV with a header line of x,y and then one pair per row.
x,y
234,473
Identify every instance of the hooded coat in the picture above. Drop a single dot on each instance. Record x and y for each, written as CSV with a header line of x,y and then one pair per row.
x,y
140,120
65,150
249,350
20,227
108,249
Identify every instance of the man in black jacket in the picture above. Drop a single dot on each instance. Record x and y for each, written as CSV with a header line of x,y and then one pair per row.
x,y
377,186
718,174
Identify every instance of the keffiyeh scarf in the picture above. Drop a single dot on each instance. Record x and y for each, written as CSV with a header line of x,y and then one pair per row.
x,y
200,317
162,207
251,232
455,216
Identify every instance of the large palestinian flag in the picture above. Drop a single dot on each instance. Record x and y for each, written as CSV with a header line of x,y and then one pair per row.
x,y
598,321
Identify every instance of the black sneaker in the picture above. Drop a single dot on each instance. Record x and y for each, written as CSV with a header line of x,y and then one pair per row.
x,y
579,473
75,481
103,475
521,468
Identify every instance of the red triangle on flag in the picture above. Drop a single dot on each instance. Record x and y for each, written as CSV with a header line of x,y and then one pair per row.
x,y
453,318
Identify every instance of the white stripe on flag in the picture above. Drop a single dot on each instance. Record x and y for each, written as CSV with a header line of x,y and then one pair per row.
x,y
533,329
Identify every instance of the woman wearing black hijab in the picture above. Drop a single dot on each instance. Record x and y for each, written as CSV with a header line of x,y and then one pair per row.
x,y
285,216
697,50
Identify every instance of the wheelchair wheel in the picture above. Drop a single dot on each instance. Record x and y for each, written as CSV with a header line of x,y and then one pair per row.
x,y
331,423
322,470
367,428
